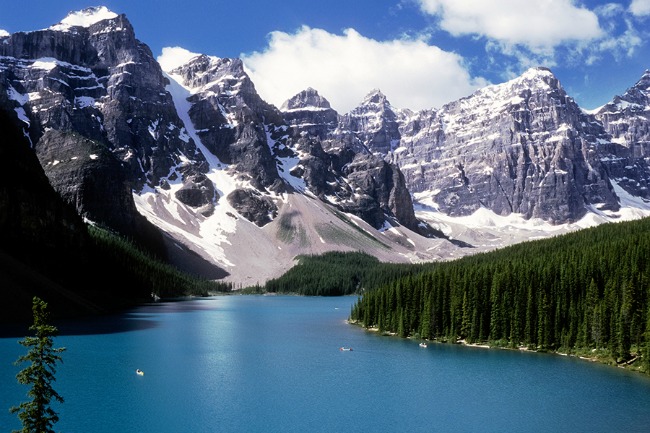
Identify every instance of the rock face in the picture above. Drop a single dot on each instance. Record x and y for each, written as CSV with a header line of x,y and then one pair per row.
x,y
234,124
521,147
627,119
255,140
338,166
230,117
374,123
253,206
310,113
90,177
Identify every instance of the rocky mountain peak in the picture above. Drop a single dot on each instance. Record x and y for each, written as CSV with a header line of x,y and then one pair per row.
x,y
374,123
306,99
375,97
309,113
92,99
205,71
230,118
635,99
538,73
536,79
640,92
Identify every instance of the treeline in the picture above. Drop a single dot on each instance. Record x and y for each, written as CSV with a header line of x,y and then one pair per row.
x,y
336,274
121,265
582,291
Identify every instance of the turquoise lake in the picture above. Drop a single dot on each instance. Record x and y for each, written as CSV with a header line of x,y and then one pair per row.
x,y
273,364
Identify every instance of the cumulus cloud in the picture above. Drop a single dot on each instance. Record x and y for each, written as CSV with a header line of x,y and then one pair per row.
x,y
536,25
344,68
173,57
3,33
640,8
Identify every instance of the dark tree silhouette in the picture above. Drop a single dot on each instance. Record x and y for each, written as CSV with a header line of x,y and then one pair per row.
x,y
37,415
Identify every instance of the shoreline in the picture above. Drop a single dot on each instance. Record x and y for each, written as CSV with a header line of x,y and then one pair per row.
x,y
630,365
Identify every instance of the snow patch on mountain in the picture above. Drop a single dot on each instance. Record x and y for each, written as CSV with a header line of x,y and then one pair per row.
x,y
84,18
21,99
287,164
486,230
208,233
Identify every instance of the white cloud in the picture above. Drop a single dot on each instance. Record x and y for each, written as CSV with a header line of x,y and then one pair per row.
x,y
621,40
609,10
3,33
640,8
173,57
537,24
344,68
623,44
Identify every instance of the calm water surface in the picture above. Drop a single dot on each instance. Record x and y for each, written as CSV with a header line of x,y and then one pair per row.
x,y
272,364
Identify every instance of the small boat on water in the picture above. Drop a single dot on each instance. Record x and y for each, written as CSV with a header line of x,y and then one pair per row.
x,y
345,349
139,372
423,344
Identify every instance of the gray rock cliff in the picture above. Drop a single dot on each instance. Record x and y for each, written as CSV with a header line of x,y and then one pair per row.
x,y
340,168
520,147
627,119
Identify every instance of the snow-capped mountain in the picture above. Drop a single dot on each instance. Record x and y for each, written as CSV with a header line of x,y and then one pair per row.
x,y
521,147
238,184
93,102
195,149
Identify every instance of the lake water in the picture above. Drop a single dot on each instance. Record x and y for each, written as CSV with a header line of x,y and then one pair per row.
x,y
273,364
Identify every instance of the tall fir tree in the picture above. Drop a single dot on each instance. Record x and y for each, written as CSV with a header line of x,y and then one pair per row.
x,y
37,415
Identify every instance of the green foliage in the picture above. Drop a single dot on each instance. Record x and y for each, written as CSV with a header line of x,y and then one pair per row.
x,y
584,291
37,415
335,274
120,264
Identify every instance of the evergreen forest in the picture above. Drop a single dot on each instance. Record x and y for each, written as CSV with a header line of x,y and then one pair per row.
x,y
585,292
335,274
140,272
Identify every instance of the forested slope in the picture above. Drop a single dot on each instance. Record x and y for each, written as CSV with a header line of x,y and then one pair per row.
x,y
583,291
336,273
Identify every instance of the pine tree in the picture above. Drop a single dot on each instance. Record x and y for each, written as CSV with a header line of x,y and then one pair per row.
x,y
37,415
646,352
466,325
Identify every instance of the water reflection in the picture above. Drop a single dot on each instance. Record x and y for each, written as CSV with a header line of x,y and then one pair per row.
x,y
107,325
143,318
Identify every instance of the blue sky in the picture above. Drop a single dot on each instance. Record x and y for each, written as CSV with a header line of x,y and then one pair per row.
x,y
420,53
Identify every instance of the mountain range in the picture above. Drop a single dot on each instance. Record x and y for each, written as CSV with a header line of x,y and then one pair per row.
x,y
195,167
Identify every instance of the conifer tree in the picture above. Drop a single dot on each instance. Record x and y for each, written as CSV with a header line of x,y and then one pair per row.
x,y
646,352
37,415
